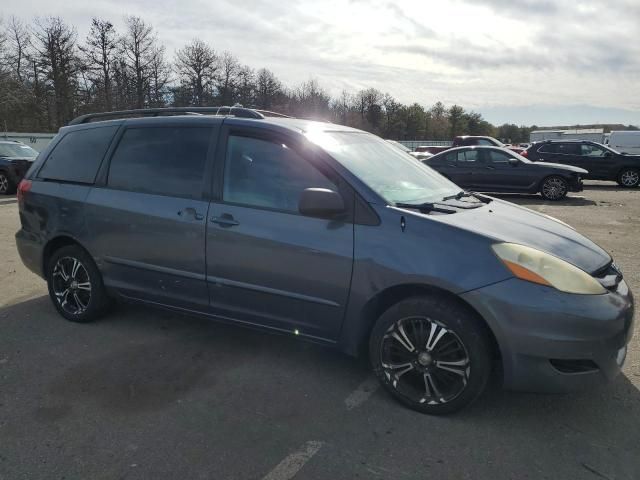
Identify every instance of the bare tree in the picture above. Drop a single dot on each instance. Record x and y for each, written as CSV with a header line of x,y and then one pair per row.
x,y
55,45
268,89
159,76
246,86
100,50
19,40
197,65
227,78
311,100
138,47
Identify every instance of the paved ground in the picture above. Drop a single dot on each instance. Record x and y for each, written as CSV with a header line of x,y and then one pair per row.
x,y
149,394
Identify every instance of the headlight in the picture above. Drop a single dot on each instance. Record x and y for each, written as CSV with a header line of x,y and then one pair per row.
x,y
535,266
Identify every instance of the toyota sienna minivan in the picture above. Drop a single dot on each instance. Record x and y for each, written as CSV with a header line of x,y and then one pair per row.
x,y
327,233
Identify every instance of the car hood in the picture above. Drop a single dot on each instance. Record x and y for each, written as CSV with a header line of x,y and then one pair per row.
x,y
560,166
507,222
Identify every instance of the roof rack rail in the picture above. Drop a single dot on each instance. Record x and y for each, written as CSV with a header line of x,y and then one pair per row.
x,y
160,112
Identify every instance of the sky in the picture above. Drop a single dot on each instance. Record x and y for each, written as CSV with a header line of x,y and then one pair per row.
x,y
542,62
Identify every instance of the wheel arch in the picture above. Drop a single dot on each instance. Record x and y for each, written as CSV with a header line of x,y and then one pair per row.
x,y
388,297
626,167
55,244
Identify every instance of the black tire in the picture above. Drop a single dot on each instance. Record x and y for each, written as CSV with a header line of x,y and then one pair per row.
x,y
433,385
6,185
78,304
554,188
629,177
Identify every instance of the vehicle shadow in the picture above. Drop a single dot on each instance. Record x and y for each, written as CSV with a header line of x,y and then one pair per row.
x,y
8,201
612,187
140,360
187,341
528,199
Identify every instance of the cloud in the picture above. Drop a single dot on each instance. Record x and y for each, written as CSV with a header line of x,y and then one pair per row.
x,y
478,53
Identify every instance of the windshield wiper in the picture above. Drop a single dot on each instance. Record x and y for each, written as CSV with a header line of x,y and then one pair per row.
x,y
425,207
457,196
463,193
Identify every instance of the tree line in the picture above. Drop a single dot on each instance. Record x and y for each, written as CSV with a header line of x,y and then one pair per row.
x,y
48,76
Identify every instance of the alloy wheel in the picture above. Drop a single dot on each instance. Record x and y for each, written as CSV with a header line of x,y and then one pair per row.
x,y
4,184
71,285
554,188
424,361
630,178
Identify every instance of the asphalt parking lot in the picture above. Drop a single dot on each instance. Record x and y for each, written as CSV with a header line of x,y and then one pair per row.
x,y
150,394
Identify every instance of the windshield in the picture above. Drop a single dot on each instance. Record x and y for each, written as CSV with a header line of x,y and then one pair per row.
x,y
392,174
17,150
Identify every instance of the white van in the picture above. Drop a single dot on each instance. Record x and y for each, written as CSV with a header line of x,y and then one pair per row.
x,y
625,141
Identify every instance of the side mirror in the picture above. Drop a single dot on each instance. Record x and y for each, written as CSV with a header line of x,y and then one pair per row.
x,y
514,162
320,202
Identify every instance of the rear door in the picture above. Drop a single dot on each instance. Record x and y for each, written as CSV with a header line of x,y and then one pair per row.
x,y
148,219
467,163
267,264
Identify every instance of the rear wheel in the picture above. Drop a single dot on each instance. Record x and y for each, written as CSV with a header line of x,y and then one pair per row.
x,y
430,354
629,177
75,285
554,188
6,186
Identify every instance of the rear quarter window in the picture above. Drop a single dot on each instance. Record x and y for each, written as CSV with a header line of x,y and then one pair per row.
x,y
77,157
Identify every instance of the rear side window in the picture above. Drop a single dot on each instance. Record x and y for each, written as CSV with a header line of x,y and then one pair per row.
x,y
468,157
77,157
548,148
561,148
161,160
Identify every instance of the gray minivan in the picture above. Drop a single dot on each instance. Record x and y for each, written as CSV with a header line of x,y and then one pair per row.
x,y
327,233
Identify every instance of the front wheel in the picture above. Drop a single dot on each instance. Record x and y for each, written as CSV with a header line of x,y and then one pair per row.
x,y
430,354
629,177
554,188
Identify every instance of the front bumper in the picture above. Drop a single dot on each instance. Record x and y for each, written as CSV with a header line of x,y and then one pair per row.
x,y
540,330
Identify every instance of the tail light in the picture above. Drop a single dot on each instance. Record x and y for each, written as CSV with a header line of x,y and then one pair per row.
x,y
23,188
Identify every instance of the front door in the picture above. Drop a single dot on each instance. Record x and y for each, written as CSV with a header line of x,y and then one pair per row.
x,y
266,263
496,174
597,160
148,222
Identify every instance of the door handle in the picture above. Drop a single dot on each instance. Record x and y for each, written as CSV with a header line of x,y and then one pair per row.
x,y
225,220
191,212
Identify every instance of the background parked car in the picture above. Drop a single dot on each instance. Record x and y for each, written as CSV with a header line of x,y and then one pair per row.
x,y
603,163
419,154
625,141
494,169
15,160
468,141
